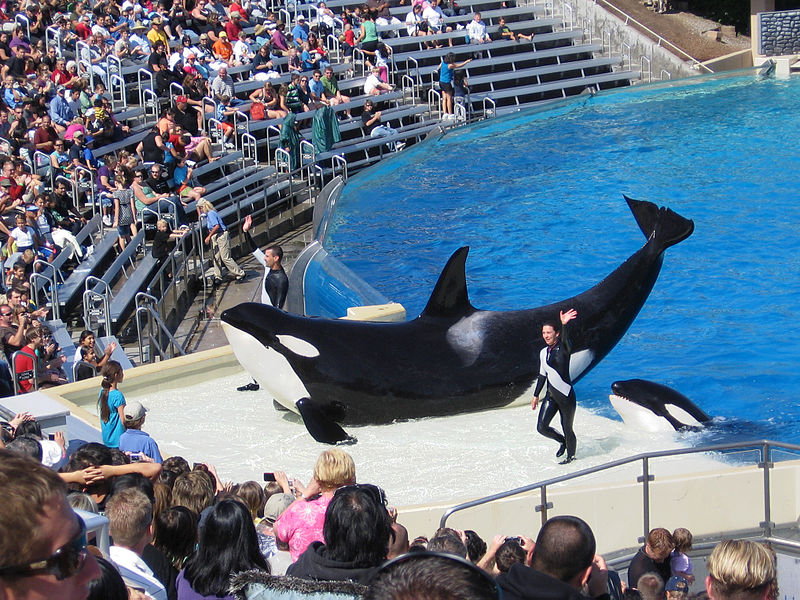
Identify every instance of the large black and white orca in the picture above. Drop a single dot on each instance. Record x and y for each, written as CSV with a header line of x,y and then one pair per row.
x,y
650,406
453,358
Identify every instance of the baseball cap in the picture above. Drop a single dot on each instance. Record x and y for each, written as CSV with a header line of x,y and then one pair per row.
x,y
134,410
275,506
677,583
78,133
222,34
90,112
31,208
301,18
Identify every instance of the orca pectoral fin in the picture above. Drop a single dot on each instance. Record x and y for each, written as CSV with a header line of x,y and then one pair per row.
x,y
321,427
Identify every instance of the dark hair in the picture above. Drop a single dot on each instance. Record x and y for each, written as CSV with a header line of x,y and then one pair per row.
x,y
85,334
88,455
133,480
426,574
476,547
277,251
110,585
29,428
111,371
509,553
447,541
227,544
449,58
177,464
175,534
552,323
357,526
564,547
25,445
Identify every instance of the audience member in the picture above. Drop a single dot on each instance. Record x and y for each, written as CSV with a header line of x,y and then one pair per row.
x,y
357,531
135,442
742,570
563,562
430,575
650,586
679,561
303,521
227,544
130,523
652,557
111,404
47,557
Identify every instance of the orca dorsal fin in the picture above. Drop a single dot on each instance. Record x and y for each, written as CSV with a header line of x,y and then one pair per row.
x,y
449,297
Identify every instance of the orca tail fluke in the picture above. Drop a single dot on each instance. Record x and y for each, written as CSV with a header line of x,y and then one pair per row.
x,y
322,428
667,226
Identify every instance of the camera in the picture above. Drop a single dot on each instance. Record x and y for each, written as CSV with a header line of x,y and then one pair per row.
x,y
269,476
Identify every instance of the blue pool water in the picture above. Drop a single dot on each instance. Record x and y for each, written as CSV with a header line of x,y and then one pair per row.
x,y
538,198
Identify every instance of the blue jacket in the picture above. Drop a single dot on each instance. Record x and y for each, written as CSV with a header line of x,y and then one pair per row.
x,y
60,111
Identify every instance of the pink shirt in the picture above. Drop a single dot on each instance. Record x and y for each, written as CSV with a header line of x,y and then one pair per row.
x,y
301,524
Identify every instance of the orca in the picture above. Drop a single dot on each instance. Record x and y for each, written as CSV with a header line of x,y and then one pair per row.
x,y
650,406
451,359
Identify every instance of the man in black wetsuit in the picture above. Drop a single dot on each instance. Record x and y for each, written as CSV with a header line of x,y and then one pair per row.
x,y
276,283
560,398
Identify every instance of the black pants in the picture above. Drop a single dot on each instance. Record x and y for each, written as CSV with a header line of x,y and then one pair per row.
x,y
565,405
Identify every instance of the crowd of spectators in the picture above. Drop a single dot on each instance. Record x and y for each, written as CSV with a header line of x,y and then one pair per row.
x,y
179,532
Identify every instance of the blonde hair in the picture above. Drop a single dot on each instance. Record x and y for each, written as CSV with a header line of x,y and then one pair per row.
x,y
129,515
205,205
334,469
741,569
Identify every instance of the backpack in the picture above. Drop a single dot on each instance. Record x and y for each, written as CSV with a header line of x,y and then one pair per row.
x,y
257,111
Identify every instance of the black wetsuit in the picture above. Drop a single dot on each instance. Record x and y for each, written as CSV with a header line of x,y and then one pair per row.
x,y
554,369
277,285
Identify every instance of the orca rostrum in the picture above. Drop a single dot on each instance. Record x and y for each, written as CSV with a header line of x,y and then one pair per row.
x,y
650,406
451,359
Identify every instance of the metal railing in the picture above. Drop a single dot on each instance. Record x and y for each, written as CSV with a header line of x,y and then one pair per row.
x,y
97,305
15,375
154,331
660,41
645,61
764,447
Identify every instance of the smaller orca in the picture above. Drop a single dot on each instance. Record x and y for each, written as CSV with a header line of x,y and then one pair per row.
x,y
650,406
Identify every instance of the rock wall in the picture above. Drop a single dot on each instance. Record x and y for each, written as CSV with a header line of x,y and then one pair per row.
x,y
779,33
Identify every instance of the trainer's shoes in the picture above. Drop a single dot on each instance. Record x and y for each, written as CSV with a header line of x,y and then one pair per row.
x,y
250,387
240,277
567,460
561,449
107,221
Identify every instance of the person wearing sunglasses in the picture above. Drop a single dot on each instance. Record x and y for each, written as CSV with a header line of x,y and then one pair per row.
x,y
47,556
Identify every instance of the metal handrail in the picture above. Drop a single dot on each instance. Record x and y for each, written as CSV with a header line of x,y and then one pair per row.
x,y
342,162
661,41
625,52
271,129
143,75
149,104
90,296
642,60
145,304
15,375
566,8
50,34
39,267
764,446
117,82
20,18
662,74
249,148
90,187
77,364
434,97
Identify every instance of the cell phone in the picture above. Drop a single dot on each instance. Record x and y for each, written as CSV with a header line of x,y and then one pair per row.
x,y
514,539
136,457
269,476
51,436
